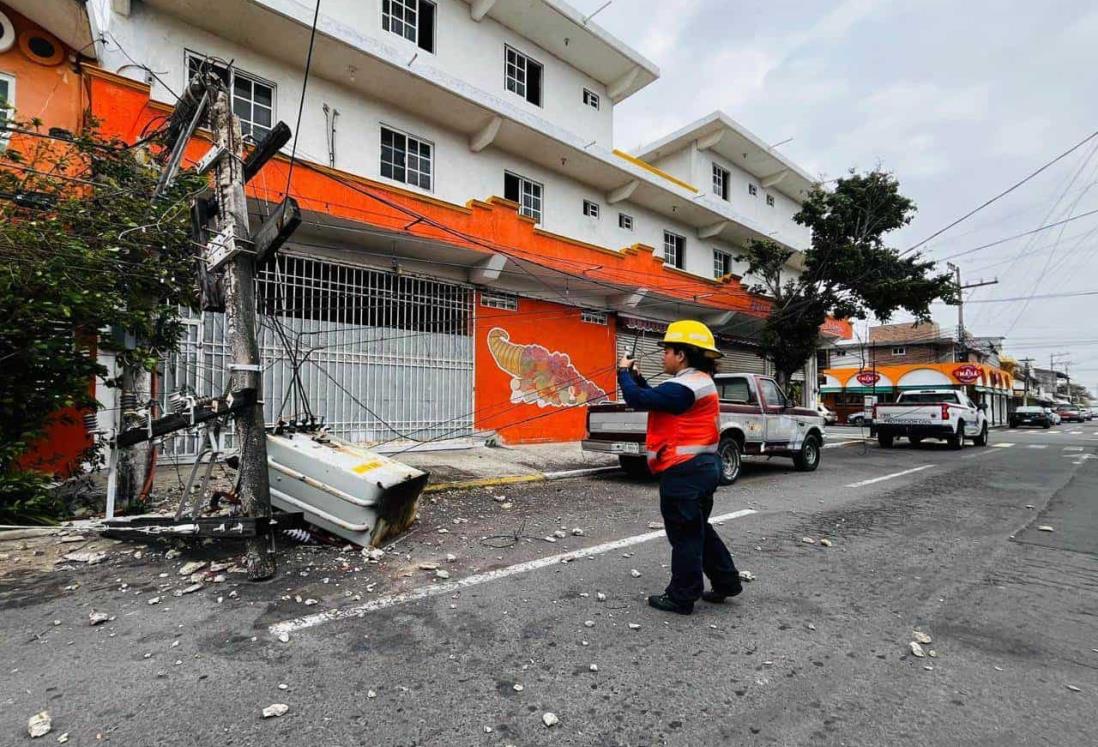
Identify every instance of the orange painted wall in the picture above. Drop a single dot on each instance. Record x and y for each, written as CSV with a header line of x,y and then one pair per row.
x,y
50,93
53,94
536,366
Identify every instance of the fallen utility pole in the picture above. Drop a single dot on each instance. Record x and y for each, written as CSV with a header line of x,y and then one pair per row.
x,y
245,370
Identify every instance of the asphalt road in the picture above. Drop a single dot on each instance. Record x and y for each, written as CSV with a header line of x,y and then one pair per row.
x,y
815,651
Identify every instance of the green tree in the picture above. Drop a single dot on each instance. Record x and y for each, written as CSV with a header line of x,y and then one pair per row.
x,y
90,256
848,272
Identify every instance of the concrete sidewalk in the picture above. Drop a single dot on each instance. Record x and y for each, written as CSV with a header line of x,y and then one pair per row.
x,y
485,466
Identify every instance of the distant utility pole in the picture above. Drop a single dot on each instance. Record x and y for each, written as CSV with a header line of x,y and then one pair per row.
x,y
245,370
961,304
1052,361
1025,380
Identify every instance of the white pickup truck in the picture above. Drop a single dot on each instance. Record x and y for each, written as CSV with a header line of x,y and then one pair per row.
x,y
756,419
947,414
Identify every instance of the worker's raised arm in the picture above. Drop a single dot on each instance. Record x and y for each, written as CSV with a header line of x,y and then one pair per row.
x,y
667,397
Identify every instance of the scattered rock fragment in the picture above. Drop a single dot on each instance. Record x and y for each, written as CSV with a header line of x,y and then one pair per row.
x,y
808,540
192,567
373,553
73,538
560,534
39,724
825,542
428,566
550,719
450,557
594,667
655,525
600,596
810,626
634,626
917,650
188,590
63,738
154,600
577,532
91,558
518,688
1042,528
588,623
371,694
275,710
635,573
932,653
921,637
284,637
499,498
310,602
1073,688
747,576
98,618
442,574
173,553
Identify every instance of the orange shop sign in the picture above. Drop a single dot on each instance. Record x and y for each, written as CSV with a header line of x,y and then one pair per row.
x,y
967,374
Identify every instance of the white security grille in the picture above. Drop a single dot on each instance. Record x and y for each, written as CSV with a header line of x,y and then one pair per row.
x,y
380,356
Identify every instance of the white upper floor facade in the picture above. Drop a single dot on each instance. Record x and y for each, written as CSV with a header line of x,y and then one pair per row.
x,y
462,100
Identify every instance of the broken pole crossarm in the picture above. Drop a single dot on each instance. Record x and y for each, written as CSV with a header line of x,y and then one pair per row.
x,y
266,149
275,230
254,488
172,422
179,146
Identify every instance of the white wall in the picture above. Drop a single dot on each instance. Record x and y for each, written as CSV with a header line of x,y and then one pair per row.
x,y
159,41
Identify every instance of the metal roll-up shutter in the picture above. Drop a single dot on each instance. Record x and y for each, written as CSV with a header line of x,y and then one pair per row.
x,y
649,353
741,359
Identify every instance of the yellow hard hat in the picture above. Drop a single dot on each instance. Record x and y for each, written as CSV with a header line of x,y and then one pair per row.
x,y
689,332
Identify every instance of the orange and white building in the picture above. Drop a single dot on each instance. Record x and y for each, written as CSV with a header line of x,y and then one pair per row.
x,y
476,251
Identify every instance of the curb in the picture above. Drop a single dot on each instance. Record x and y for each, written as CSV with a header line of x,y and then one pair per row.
x,y
490,482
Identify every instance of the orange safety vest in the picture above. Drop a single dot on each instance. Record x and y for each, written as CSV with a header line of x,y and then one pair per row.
x,y
674,439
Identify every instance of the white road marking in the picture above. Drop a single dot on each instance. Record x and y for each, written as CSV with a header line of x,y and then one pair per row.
x,y
1038,446
981,453
1002,446
1073,448
888,477
1076,433
361,610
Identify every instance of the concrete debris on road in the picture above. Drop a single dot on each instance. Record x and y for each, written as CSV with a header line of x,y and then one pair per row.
x,y
917,650
373,553
74,538
188,590
310,602
747,576
634,626
154,600
428,566
1073,688
808,540
192,567
594,667
825,542
371,694
588,623
98,618
63,738
550,719
439,573
173,553
921,637
518,688
600,596
39,724
635,573
284,637
560,534
577,532
275,710
91,558
1045,528
450,557
655,525
499,498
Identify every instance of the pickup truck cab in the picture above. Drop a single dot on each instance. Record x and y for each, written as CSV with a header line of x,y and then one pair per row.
x,y
756,419
946,414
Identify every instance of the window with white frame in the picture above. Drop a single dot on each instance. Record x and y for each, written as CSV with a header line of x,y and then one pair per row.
x,y
752,190
674,249
590,209
523,76
770,200
625,221
590,98
593,317
721,178
412,19
527,193
406,159
253,98
899,351
722,263
504,301
7,106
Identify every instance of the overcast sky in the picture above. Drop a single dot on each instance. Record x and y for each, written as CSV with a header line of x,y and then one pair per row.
x,y
958,99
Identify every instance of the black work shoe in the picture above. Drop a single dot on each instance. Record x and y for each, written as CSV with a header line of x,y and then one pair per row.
x,y
667,604
718,597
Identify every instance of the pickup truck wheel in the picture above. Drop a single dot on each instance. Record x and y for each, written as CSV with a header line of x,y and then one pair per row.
x,y
981,440
957,440
808,458
731,460
885,440
635,467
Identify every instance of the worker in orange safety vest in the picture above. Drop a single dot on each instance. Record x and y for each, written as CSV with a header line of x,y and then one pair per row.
x,y
681,445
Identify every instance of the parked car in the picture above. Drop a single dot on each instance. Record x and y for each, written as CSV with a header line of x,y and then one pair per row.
x,y
1088,414
859,418
1030,415
756,419
947,414
1053,415
829,417
1070,414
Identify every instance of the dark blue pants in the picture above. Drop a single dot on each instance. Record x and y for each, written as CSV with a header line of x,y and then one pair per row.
x,y
686,500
